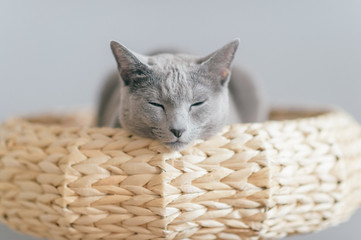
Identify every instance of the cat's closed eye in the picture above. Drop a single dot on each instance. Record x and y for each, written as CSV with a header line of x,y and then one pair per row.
x,y
196,104
157,105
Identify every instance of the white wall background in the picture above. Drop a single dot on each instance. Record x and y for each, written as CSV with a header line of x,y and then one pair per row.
x,y
56,53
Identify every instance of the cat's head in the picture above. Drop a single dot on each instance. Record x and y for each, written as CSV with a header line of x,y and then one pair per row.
x,y
174,98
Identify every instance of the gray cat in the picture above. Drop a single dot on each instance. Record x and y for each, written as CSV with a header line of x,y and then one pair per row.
x,y
177,98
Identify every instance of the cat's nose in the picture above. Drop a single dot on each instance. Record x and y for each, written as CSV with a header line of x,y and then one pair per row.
x,y
177,132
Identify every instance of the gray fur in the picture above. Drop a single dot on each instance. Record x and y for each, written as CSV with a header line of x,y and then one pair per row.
x,y
160,96
247,99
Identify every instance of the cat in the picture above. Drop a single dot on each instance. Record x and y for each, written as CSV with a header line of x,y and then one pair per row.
x,y
177,98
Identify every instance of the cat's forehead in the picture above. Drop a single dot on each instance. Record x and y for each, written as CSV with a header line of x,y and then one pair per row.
x,y
176,83
169,61
177,78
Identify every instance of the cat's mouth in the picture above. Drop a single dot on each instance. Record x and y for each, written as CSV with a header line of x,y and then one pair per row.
x,y
176,145
174,142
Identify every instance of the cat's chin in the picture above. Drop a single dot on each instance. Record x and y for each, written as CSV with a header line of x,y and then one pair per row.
x,y
176,146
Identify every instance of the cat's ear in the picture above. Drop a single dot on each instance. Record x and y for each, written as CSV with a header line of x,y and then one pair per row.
x,y
130,65
219,62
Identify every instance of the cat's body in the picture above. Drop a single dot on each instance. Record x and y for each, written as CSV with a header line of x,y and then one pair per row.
x,y
178,98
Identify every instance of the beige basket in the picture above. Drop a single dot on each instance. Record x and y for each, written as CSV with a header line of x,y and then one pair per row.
x,y
61,179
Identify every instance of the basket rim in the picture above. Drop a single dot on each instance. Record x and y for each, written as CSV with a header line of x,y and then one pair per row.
x,y
59,119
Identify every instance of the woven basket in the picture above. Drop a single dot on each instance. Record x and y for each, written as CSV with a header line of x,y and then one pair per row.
x,y
62,179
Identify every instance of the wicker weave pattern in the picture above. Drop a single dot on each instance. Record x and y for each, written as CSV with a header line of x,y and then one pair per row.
x,y
316,174
251,181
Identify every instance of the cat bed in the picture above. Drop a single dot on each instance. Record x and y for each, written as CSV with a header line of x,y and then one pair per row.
x,y
60,178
